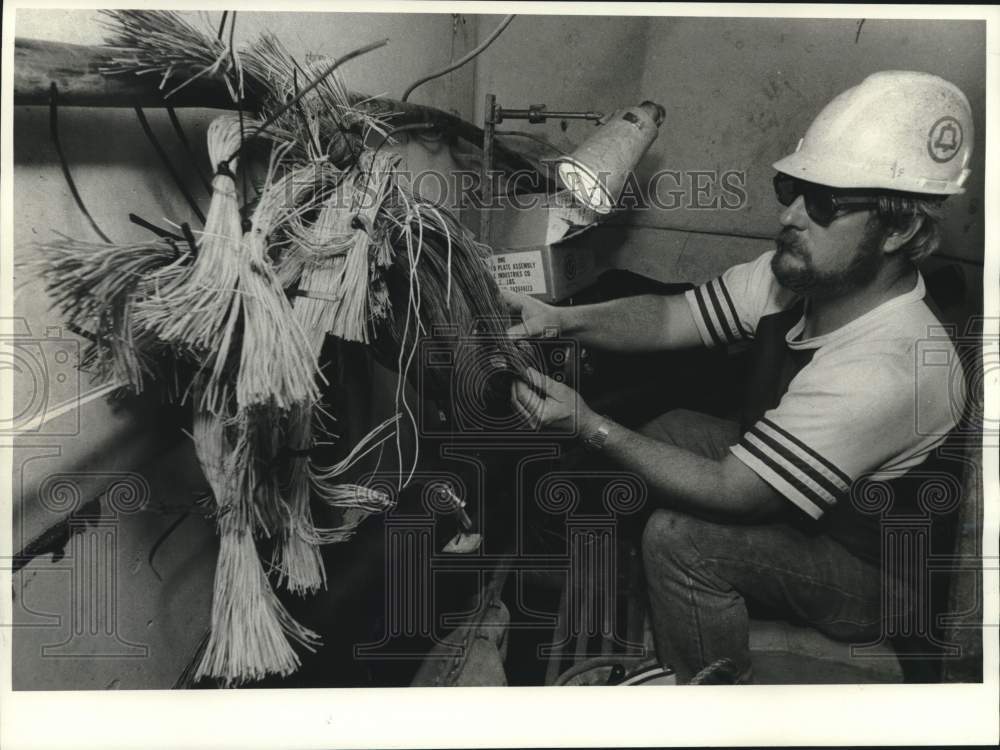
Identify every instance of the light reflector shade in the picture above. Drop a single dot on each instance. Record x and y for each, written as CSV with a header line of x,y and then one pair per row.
x,y
597,170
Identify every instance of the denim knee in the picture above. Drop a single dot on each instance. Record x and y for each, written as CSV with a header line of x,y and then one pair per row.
x,y
667,539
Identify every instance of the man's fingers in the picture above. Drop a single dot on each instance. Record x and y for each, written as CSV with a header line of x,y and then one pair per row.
x,y
531,420
536,379
545,385
515,300
519,331
525,397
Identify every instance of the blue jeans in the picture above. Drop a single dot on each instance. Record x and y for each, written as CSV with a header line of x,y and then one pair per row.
x,y
701,575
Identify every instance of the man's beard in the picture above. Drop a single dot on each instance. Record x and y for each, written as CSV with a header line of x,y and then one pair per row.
x,y
805,279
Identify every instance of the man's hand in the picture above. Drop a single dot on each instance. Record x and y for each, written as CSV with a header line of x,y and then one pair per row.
x,y
537,318
544,402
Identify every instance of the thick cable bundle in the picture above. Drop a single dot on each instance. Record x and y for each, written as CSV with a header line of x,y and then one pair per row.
x,y
336,245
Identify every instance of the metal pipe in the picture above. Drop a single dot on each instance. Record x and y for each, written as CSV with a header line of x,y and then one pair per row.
x,y
538,113
486,188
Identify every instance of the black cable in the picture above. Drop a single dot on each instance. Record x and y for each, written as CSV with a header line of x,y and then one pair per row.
x,y
166,162
232,55
189,236
222,24
463,60
335,117
158,231
182,137
159,542
244,209
74,328
531,136
54,132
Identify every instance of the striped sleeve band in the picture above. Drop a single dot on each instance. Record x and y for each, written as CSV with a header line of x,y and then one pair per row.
x,y
715,314
791,467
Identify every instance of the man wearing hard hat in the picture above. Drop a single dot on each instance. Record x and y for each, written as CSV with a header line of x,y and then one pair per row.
x,y
762,510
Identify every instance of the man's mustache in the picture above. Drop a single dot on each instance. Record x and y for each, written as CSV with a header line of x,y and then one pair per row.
x,y
789,241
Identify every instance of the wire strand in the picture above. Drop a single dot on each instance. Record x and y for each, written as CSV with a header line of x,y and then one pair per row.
x,y
312,84
462,60
182,137
54,132
530,136
166,163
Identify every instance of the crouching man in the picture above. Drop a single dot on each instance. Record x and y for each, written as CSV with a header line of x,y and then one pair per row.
x,y
761,510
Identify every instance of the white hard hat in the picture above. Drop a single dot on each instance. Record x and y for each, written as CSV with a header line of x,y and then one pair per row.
x,y
896,130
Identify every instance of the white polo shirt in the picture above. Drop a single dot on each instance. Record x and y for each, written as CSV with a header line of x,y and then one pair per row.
x,y
867,403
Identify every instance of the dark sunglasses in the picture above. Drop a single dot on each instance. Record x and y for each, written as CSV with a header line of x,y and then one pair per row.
x,y
823,204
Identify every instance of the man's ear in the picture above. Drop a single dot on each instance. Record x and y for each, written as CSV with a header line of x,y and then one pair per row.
x,y
896,238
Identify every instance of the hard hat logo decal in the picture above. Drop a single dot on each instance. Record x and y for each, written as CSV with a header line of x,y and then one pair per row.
x,y
945,139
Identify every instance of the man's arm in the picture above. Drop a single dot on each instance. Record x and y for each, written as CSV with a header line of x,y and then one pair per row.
x,y
632,324
724,489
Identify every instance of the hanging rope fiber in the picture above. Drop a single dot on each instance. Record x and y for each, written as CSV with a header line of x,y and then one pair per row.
x,y
462,60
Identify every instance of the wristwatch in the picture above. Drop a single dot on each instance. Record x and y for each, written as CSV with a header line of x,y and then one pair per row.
x,y
596,439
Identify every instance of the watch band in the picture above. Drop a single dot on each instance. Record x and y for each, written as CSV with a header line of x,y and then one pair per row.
x,y
595,440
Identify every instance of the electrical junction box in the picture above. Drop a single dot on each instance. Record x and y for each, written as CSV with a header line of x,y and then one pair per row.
x,y
534,247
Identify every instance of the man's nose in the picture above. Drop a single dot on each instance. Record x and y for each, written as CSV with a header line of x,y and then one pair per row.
x,y
795,215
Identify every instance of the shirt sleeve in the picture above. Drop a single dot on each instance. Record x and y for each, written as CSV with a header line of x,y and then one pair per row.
x,y
727,308
834,424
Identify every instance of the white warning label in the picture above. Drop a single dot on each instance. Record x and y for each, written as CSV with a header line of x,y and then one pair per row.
x,y
520,272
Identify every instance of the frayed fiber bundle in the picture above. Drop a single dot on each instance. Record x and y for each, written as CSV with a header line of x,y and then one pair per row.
x,y
163,43
277,366
373,185
250,627
197,312
335,245
96,287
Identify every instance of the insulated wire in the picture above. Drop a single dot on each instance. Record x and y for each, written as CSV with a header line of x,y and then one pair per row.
x,y
182,137
166,162
222,24
462,60
54,132
523,134
261,129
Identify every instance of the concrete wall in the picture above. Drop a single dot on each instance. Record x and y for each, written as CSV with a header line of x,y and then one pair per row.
x,y
739,93
159,615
